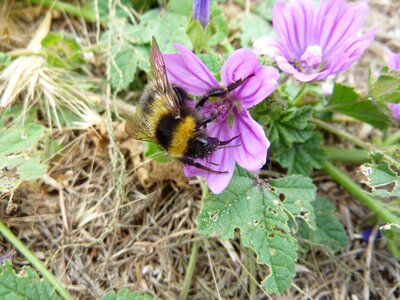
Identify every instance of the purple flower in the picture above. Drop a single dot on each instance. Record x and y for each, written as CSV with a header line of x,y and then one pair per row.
x,y
393,60
315,42
249,150
394,65
201,11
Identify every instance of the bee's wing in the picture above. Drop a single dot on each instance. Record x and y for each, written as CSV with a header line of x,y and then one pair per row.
x,y
138,128
161,80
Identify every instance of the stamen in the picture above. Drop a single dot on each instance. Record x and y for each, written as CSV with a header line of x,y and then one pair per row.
x,y
312,57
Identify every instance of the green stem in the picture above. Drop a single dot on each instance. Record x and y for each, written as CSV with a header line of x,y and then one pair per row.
x,y
355,190
190,270
6,232
392,139
252,275
341,133
70,9
352,156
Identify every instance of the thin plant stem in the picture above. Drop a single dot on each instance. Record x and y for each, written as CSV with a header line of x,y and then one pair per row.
x,y
352,156
193,255
353,139
252,274
355,190
70,9
190,270
341,133
392,139
6,232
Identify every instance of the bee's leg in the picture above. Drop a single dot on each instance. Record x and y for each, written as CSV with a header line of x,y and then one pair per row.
x,y
181,94
205,121
191,162
219,92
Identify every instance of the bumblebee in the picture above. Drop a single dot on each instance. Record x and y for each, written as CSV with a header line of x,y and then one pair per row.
x,y
164,117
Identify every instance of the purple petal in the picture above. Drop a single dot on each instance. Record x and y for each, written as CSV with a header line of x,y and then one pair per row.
x,y
201,11
223,157
267,46
241,64
393,60
351,52
395,108
252,153
337,22
288,68
187,71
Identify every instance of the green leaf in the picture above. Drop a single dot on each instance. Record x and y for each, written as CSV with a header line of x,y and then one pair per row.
x,y
125,64
254,207
392,233
218,26
213,61
289,127
167,27
328,231
198,36
15,165
302,158
25,285
4,58
382,179
125,294
296,194
15,140
249,27
154,152
103,8
182,7
345,100
386,88
126,56
62,51
295,143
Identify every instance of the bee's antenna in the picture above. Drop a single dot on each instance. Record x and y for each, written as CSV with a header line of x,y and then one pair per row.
x,y
223,143
230,146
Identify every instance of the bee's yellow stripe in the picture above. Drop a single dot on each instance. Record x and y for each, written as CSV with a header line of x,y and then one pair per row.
x,y
181,136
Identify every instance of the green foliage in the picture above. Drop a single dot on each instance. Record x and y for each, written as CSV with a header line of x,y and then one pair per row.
x,y
122,7
295,143
249,27
24,285
4,58
328,231
167,27
386,88
15,165
213,62
382,179
255,207
182,7
392,234
125,294
62,51
345,100
154,152
198,36
218,26
129,45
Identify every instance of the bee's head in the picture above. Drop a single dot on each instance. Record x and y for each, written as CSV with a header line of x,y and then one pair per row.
x,y
202,146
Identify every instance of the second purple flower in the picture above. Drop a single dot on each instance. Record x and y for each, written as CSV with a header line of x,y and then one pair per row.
x,y
315,42
249,150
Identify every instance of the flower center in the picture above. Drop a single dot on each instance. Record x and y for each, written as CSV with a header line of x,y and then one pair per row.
x,y
222,110
312,57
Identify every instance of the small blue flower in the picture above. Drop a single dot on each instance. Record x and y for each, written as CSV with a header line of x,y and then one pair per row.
x,y
201,11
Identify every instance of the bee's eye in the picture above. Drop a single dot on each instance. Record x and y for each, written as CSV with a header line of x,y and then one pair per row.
x,y
202,142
